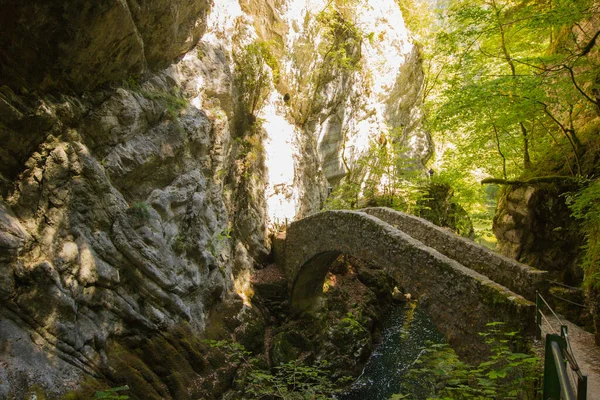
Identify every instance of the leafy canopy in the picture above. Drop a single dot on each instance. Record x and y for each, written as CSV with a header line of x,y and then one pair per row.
x,y
508,80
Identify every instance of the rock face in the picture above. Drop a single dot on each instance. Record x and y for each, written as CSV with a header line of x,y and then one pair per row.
x,y
403,109
346,78
118,226
534,226
138,178
52,45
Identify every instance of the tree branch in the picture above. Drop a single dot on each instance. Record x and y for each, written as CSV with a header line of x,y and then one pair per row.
x,y
497,137
569,134
579,88
590,45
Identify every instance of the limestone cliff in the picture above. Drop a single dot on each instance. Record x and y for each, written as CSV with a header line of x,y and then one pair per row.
x,y
53,45
345,77
146,149
534,225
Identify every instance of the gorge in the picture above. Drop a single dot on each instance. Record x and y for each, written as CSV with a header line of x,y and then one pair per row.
x,y
154,152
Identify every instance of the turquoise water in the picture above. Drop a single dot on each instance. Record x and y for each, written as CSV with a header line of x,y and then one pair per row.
x,y
405,332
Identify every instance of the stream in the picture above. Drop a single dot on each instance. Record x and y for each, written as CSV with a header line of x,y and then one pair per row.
x,y
405,332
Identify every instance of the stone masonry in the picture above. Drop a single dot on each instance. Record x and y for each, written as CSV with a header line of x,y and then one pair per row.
x,y
518,277
459,300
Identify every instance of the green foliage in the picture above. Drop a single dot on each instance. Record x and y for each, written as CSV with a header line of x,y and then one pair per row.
x,y
291,380
344,197
170,100
253,64
132,83
384,176
380,161
506,374
439,206
337,55
234,351
342,40
112,393
501,88
585,206
224,234
350,324
393,180
478,200
418,17
271,60
250,152
180,244
219,240
140,210
508,86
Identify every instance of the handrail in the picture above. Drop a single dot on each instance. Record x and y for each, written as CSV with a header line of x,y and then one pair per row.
x,y
555,283
567,300
565,286
539,296
559,355
566,391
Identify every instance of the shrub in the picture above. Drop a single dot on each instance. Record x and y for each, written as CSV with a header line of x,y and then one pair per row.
x,y
506,374
282,381
111,394
140,210
253,79
585,206
170,100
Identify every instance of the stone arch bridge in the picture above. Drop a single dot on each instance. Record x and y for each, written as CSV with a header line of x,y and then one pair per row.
x,y
460,284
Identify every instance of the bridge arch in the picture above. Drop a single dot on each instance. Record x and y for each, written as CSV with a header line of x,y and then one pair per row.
x,y
459,300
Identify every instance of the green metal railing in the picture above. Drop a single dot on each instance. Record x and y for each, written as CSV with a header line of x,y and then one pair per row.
x,y
562,377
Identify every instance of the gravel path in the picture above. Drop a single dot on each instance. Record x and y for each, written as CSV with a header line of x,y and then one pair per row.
x,y
586,352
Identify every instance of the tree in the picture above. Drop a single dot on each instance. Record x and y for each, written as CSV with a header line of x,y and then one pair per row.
x,y
512,80
329,48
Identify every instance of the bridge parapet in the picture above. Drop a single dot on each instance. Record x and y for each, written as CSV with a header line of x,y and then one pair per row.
x,y
459,301
518,277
